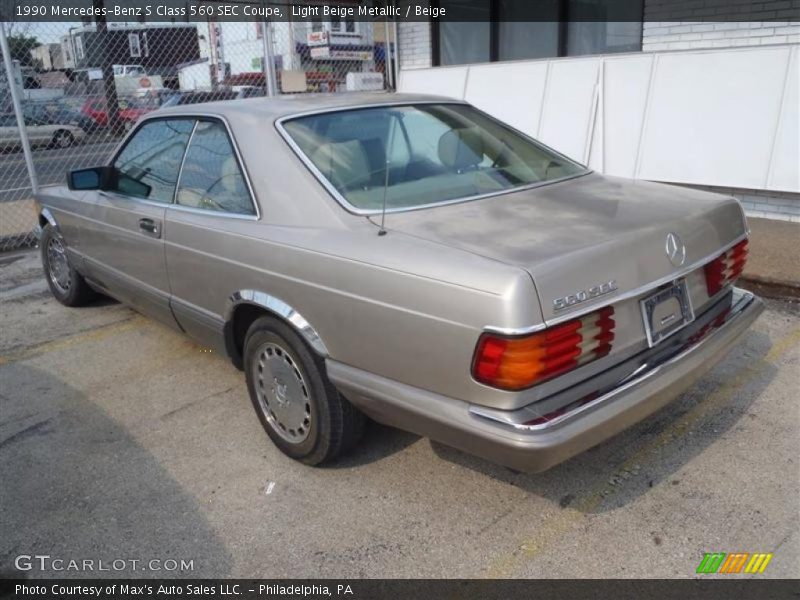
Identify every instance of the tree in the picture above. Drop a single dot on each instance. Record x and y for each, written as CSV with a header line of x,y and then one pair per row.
x,y
20,46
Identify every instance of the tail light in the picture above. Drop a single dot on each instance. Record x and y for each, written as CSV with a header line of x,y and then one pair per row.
x,y
514,363
726,268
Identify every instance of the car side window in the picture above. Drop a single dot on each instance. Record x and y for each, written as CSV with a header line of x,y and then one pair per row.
x,y
148,165
212,178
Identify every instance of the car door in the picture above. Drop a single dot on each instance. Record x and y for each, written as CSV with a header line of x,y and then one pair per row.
x,y
9,133
37,131
212,222
124,239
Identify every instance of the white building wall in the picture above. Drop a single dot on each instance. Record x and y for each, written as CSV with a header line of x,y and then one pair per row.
x,y
196,76
711,118
667,27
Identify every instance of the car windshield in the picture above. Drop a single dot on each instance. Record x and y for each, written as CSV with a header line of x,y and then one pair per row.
x,y
421,155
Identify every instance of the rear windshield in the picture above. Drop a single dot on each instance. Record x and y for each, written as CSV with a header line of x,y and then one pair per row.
x,y
423,154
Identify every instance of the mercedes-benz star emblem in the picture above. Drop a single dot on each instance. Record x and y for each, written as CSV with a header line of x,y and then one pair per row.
x,y
675,249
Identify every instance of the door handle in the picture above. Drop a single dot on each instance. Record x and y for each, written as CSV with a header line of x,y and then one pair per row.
x,y
149,226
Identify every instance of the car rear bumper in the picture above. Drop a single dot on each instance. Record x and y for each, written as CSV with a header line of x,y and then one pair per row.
x,y
504,437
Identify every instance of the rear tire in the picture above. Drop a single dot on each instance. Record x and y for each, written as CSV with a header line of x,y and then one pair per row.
x,y
66,284
302,412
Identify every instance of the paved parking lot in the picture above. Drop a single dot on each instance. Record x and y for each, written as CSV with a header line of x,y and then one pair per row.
x,y
120,439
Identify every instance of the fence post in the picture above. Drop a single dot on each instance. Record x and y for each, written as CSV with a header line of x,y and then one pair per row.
x,y
16,101
109,83
387,55
396,56
268,59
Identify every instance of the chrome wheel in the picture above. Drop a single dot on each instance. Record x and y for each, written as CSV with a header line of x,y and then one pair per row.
x,y
64,139
282,392
57,265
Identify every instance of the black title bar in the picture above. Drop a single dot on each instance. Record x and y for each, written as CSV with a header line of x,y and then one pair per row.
x,y
378,589
160,11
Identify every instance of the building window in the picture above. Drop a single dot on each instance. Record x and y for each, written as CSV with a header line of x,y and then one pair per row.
x,y
492,30
79,47
133,45
467,37
343,26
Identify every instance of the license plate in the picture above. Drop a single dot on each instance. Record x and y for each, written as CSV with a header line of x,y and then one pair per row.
x,y
666,312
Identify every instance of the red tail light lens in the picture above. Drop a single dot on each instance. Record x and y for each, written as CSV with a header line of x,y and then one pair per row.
x,y
514,363
726,268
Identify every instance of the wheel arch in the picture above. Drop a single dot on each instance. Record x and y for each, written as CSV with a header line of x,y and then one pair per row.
x,y
47,218
245,306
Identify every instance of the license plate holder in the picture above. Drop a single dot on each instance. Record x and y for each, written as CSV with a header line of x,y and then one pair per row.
x,y
666,312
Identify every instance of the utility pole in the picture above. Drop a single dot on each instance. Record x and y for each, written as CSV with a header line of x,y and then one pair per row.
x,y
107,65
17,103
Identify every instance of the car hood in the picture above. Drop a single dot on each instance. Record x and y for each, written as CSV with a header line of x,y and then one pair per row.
x,y
584,232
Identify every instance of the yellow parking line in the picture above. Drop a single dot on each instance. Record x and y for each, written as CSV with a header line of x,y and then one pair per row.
x,y
91,335
549,531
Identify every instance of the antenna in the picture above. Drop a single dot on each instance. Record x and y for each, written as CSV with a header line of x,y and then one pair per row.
x,y
389,144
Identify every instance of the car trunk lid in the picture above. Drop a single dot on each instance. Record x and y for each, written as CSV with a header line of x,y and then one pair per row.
x,y
590,231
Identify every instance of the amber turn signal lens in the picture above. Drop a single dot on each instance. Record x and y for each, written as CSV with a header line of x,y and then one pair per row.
x,y
515,363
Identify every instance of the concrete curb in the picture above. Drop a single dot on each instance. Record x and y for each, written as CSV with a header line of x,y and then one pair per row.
x,y
770,288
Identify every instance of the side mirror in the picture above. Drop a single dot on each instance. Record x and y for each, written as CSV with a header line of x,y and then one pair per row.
x,y
96,178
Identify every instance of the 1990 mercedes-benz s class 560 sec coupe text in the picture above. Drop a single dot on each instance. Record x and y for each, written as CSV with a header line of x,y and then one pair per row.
x,y
411,259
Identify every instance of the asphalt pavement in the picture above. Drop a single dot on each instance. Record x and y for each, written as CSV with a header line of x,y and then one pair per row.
x,y
121,439
51,166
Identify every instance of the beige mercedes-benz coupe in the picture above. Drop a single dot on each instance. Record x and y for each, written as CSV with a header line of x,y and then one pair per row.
x,y
411,259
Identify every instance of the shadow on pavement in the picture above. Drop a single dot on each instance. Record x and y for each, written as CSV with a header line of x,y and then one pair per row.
x,y
626,466
75,485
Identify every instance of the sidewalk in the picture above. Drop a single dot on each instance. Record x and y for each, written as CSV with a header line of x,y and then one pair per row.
x,y
773,266
17,220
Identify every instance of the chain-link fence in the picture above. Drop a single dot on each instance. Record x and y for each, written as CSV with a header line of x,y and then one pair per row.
x,y
80,86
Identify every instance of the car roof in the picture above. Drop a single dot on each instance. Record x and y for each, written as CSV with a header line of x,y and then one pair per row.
x,y
284,106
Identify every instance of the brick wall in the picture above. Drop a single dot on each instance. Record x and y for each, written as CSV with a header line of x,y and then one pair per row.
x,y
414,39
414,44
720,10
659,35
784,206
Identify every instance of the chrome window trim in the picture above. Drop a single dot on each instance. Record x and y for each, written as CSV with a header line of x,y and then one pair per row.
x,y
369,212
183,161
113,194
122,145
212,213
609,299
196,116
239,162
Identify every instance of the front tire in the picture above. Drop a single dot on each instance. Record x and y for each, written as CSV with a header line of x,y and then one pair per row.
x,y
300,409
63,139
66,284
